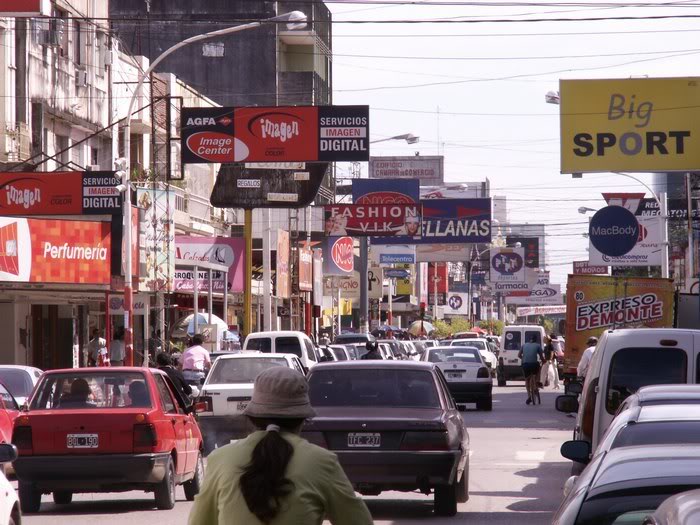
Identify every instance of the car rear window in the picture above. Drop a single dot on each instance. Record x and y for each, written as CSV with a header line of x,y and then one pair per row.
x,y
456,355
288,345
633,368
95,390
242,370
512,341
17,381
476,343
260,344
659,433
373,388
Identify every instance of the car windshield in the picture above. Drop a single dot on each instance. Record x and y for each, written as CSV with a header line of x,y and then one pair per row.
x,y
383,387
659,433
454,355
108,389
625,509
17,381
476,343
241,370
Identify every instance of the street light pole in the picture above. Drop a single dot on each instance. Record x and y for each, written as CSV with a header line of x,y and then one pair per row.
x,y
293,19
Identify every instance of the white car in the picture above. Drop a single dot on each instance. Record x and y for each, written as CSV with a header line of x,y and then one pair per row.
x,y
468,377
9,503
19,380
227,390
483,346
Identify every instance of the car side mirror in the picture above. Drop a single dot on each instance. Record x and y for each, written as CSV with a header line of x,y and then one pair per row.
x,y
8,453
575,388
566,403
576,450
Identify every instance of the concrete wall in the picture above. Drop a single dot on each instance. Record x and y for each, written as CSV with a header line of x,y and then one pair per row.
x,y
13,318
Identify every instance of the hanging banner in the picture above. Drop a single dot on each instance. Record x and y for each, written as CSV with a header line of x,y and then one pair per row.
x,y
306,282
318,277
275,134
646,252
441,252
156,240
372,220
228,251
59,193
338,256
282,287
55,251
631,125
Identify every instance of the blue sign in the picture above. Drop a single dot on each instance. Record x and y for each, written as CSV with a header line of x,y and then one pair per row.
x,y
396,273
451,221
397,258
613,231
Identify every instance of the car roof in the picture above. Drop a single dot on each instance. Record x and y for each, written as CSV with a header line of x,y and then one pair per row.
x,y
256,355
469,340
376,363
453,347
673,412
653,393
621,332
105,370
276,333
20,367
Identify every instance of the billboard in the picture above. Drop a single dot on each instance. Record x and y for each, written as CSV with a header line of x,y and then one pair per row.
x,y
596,303
539,295
55,251
338,256
25,8
441,252
452,221
156,240
507,265
363,220
457,303
531,247
428,170
306,281
283,283
59,193
275,134
228,251
646,252
632,125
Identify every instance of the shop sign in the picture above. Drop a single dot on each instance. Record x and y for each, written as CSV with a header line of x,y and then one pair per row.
x,y
613,231
525,311
59,193
139,303
507,265
531,247
457,304
393,253
279,134
338,256
585,268
647,250
306,283
539,295
25,8
156,240
630,125
318,277
55,251
227,251
282,272
427,170
372,220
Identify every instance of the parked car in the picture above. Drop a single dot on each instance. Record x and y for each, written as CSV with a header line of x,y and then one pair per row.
x,y
394,426
624,361
227,391
397,348
512,340
9,410
625,484
343,339
283,342
19,380
484,349
662,395
340,352
325,354
9,503
681,509
420,347
106,430
468,377
385,351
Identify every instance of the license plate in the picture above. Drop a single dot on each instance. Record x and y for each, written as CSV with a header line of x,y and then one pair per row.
x,y
82,441
364,439
241,405
454,375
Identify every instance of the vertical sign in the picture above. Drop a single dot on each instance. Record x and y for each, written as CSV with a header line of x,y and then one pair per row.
x,y
283,281
156,240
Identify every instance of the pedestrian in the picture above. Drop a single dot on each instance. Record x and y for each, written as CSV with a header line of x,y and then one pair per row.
x,y
94,346
155,343
531,355
195,361
274,476
585,361
166,365
117,351
372,351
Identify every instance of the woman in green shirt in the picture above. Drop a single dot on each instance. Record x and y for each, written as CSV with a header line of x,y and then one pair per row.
x,y
274,476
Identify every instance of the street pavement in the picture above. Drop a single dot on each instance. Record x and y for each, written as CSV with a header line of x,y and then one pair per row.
x,y
516,476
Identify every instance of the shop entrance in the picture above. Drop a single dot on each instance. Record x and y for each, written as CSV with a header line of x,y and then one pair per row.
x,y
55,330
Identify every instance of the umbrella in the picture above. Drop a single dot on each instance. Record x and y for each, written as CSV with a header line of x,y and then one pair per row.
x,y
420,328
185,326
387,327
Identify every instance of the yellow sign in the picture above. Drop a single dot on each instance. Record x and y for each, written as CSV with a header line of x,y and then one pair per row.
x,y
404,286
637,124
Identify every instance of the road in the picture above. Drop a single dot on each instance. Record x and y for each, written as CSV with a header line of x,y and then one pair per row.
x,y
516,476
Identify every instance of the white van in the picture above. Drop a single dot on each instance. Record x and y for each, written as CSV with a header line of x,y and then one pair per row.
x,y
512,340
624,361
283,342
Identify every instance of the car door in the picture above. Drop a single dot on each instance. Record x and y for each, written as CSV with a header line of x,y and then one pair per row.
x,y
455,423
192,432
176,420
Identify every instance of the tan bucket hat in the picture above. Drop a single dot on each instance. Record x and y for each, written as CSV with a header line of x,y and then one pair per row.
x,y
280,392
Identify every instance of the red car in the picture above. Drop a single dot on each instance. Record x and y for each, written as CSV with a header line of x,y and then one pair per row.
x,y
106,430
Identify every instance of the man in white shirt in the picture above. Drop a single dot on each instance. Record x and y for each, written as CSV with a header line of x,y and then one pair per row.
x,y
94,346
195,360
586,357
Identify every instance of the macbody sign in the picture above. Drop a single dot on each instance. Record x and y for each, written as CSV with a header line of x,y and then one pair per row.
x,y
59,193
372,219
275,134
647,251
613,230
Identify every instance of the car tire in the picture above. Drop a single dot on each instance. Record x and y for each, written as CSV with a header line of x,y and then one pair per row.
x,y
193,486
445,503
29,497
165,490
485,404
62,497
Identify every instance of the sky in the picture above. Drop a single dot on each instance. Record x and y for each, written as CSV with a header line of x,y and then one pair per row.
x,y
474,91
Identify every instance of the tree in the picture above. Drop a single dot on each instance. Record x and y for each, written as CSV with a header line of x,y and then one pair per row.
x,y
494,326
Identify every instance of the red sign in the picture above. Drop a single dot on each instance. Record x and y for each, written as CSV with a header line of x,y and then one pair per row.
x,y
54,251
373,219
583,268
25,8
342,254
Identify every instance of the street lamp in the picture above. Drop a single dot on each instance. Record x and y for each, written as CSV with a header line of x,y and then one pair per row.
x,y
410,138
585,209
294,20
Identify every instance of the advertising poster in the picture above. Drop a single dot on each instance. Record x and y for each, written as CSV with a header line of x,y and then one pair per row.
x,y
55,251
228,251
338,256
283,282
630,125
318,277
531,249
306,281
646,252
364,220
404,287
585,268
457,304
507,265
596,303
426,170
25,8
539,295
156,240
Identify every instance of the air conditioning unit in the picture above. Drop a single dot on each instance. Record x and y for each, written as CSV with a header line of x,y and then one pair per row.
x,y
80,77
108,56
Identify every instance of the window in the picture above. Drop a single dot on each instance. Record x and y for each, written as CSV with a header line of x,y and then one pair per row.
x,y
289,345
659,433
78,41
366,387
310,349
457,355
7,400
17,381
260,344
513,341
166,397
633,368
241,370
537,335
101,51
